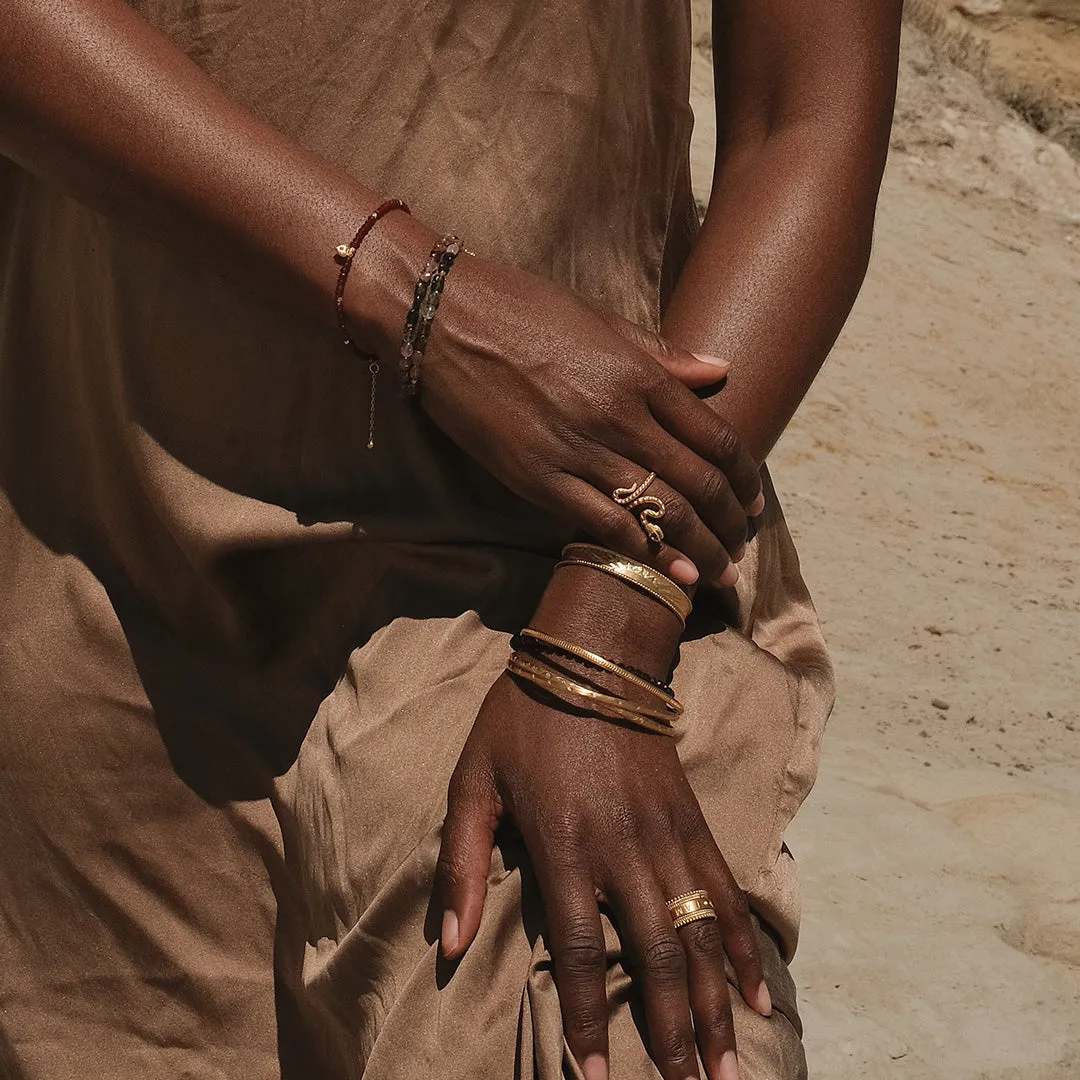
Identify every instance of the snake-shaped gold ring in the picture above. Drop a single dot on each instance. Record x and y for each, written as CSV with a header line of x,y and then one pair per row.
x,y
649,508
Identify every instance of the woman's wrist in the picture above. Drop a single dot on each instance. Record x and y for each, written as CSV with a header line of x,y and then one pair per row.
x,y
608,616
382,280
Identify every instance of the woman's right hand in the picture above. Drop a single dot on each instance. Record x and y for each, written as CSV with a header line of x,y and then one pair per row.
x,y
603,810
564,405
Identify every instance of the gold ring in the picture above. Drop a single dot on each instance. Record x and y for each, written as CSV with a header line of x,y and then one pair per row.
x,y
690,907
650,509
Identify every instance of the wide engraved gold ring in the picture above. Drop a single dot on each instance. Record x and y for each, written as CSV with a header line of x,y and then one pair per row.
x,y
649,508
691,907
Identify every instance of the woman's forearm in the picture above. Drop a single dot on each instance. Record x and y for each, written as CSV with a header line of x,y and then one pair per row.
x,y
804,102
97,102
774,274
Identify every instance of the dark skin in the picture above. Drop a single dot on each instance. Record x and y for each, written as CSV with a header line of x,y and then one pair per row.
x,y
94,100
804,105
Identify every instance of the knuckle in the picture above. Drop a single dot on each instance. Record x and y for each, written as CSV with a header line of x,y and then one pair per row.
x,y
713,487
717,1016
618,528
449,870
647,373
623,827
580,952
584,1020
680,514
725,441
609,402
664,960
562,834
704,940
676,1045
466,784
662,387
738,906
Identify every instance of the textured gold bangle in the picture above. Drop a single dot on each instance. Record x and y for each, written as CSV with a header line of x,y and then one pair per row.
x,y
657,585
617,708
582,689
672,704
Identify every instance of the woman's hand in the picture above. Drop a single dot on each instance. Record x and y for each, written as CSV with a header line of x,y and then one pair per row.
x,y
564,409
564,405
603,807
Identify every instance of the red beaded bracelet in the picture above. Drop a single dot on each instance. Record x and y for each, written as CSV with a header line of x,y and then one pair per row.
x,y
343,256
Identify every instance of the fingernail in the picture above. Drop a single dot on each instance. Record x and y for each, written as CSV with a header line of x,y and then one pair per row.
x,y
729,577
764,1000
740,554
449,934
757,506
729,1066
716,361
684,572
595,1067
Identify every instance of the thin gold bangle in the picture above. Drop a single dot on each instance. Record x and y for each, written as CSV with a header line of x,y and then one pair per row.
x,y
657,585
672,704
526,667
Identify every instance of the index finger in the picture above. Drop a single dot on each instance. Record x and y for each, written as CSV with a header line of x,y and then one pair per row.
x,y
685,416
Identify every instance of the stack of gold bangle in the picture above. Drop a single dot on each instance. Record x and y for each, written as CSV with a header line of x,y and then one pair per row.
x,y
642,577
665,694
563,686
656,718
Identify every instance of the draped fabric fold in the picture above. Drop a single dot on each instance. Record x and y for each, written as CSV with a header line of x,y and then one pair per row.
x,y
239,653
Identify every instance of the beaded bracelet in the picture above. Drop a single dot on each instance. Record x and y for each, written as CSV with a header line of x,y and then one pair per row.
x,y
343,256
426,297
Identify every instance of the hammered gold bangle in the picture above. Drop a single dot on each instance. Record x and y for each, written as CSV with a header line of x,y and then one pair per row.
x,y
671,703
661,716
657,585
526,667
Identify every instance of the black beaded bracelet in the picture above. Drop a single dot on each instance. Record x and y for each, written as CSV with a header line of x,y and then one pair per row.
x,y
521,644
426,297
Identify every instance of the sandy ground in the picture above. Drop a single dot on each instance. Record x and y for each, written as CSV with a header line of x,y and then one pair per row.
x,y
930,482
1026,51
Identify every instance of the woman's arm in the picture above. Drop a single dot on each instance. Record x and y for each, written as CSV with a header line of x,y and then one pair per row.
x,y
804,105
804,102
522,374
96,101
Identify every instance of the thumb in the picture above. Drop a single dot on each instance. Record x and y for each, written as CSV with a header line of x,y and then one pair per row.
x,y
472,812
695,370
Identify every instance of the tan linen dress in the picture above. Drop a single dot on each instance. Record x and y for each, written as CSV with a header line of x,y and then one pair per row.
x,y
239,653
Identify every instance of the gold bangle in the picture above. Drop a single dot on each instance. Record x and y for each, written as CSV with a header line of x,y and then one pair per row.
x,y
645,578
671,703
617,708
625,705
